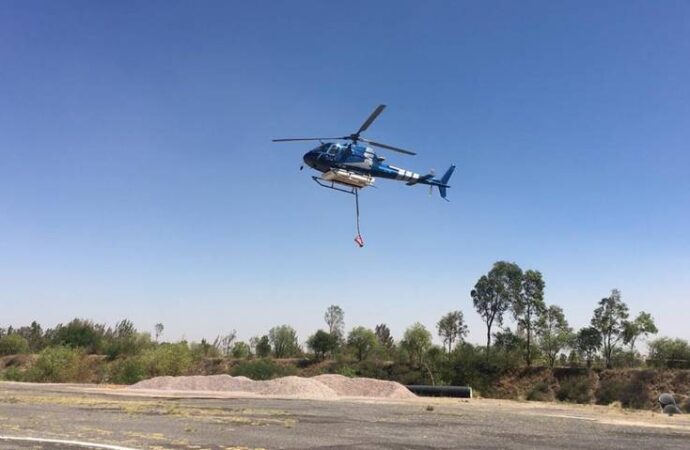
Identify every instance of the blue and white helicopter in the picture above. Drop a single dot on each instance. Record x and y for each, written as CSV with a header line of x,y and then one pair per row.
x,y
350,166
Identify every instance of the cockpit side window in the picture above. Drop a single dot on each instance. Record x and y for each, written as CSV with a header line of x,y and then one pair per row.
x,y
333,150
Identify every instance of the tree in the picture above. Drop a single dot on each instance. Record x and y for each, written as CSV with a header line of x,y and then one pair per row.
x,y
224,343
416,340
284,341
608,319
383,334
159,330
80,334
588,342
494,293
33,335
553,333
363,341
643,325
13,344
322,343
669,353
335,319
452,327
528,306
263,346
240,350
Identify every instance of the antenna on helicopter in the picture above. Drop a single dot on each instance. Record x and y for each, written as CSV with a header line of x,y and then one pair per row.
x,y
357,136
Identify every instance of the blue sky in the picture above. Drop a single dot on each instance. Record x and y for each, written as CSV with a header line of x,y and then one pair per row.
x,y
138,180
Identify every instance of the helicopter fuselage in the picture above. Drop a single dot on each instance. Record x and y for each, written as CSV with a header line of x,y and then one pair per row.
x,y
359,159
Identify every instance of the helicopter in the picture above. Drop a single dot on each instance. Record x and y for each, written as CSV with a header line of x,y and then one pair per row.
x,y
352,165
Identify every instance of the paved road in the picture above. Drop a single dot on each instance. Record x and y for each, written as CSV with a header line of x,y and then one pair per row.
x,y
242,423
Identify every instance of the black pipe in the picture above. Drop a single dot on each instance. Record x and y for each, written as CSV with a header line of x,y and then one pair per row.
x,y
440,391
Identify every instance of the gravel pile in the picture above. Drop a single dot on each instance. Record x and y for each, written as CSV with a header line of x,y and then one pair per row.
x,y
319,387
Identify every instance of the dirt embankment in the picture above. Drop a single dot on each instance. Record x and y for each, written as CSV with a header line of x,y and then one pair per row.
x,y
632,388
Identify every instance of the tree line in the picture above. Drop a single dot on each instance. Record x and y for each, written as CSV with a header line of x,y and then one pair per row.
x,y
542,336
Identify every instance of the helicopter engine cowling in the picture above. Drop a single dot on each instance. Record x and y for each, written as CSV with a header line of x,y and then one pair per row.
x,y
349,178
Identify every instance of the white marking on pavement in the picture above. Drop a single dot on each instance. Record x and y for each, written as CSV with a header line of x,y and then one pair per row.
x,y
64,442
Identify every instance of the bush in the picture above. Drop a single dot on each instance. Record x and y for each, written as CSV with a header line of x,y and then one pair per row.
x,y
541,392
262,369
685,406
58,365
574,389
13,374
609,391
167,359
13,344
347,371
128,370
635,393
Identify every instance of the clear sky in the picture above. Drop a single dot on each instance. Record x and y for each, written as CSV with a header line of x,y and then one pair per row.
x,y
138,179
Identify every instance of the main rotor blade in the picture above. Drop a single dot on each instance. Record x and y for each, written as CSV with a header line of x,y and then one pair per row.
x,y
379,109
305,139
389,147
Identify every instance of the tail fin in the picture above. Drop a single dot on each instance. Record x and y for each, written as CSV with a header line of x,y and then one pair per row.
x,y
444,181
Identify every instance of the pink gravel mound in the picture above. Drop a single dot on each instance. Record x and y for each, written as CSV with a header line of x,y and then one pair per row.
x,y
364,387
319,387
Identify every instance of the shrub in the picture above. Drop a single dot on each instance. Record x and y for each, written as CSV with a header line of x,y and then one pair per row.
x,y
609,391
13,374
347,371
635,393
167,359
128,370
58,365
240,350
13,344
685,406
541,392
262,369
574,389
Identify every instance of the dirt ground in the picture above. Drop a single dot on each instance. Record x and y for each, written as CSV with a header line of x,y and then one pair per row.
x,y
177,420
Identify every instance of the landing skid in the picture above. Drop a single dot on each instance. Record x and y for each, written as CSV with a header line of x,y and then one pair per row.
x,y
332,185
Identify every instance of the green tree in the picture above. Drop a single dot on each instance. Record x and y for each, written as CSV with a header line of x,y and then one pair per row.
x,y
80,333
416,341
643,325
240,350
553,333
528,306
383,334
452,327
608,319
494,293
13,344
362,341
588,342
263,347
158,328
34,336
669,353
284,341
322,343
335,319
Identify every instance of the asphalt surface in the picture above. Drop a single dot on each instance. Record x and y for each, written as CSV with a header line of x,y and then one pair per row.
x,y
83,414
